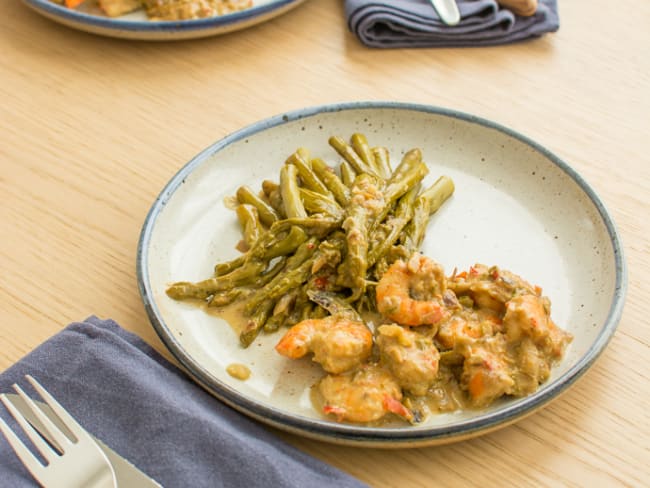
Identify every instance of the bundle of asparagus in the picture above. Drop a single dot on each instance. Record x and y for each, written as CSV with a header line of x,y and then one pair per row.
x,y
322,230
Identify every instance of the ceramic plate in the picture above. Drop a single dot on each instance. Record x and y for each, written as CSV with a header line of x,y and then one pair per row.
x,y
136,25
515,205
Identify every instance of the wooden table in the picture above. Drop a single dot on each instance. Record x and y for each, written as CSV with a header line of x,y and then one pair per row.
x,y
92,128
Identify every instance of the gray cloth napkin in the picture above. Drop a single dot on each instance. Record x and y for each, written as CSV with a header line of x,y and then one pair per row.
x,y
144,408
415,23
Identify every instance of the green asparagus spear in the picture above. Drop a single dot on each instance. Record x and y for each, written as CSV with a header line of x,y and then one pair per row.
x,y
309,178
352,271
203,289
306,311
293,207
349,154
255,323
226,297
438,193
399,219
250,223
269,187
382,160
332,181
362,148
296,272
317,203
270,273
277,241
280,285
275,321
319,227
347,174
266,213
426,204
284,246
226,267
398,187
411,159
272,193
285,302
296,313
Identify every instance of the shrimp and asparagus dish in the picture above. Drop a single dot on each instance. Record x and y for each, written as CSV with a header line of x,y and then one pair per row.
x,y
167,10
330,261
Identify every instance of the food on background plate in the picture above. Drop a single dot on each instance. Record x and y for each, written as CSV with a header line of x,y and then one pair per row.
x,y
165,9
332,253
115,8
525,8
192,9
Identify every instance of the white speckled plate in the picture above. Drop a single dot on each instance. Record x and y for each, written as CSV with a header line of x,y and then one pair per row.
x,y
515,205
136,26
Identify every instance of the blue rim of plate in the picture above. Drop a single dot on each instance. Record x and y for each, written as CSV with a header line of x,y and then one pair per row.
x,y
378,436
158,26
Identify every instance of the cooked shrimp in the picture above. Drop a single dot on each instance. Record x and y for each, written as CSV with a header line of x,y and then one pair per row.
x,y
410,293
531,367
466,326
529,315
410,356
490,287
458,330
486,373
338,343
364,395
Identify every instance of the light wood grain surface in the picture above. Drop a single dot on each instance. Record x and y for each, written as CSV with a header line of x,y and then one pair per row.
x,y
92,128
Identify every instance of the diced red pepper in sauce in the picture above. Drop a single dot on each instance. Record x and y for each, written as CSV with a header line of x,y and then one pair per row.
x,y
321,282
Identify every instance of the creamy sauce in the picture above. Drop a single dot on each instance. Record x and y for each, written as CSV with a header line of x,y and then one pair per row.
x,y
239,371
232,314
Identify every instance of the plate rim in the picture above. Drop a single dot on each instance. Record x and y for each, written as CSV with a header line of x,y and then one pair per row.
x,y
162,26
378,436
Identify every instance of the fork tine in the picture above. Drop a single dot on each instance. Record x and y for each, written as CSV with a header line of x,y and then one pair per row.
x,y
32,464
60,439
65,417
28,459
36,439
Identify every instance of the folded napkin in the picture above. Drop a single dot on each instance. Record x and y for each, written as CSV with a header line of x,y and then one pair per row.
x,y
147,410
415,23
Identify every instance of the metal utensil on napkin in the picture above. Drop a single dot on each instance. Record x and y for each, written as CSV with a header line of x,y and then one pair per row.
x,y
447,11
126,474
72,457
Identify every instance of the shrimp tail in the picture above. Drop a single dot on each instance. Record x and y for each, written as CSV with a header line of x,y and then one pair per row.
x,y
395,406
293,344
339,412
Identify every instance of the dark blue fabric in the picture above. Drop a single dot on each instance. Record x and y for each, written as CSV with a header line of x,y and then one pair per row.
x,y
415,23
144,408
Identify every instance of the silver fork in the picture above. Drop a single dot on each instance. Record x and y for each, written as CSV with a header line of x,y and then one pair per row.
x,y
80,462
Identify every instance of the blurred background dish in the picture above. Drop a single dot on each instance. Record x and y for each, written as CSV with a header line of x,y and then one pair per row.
x,y
137,26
